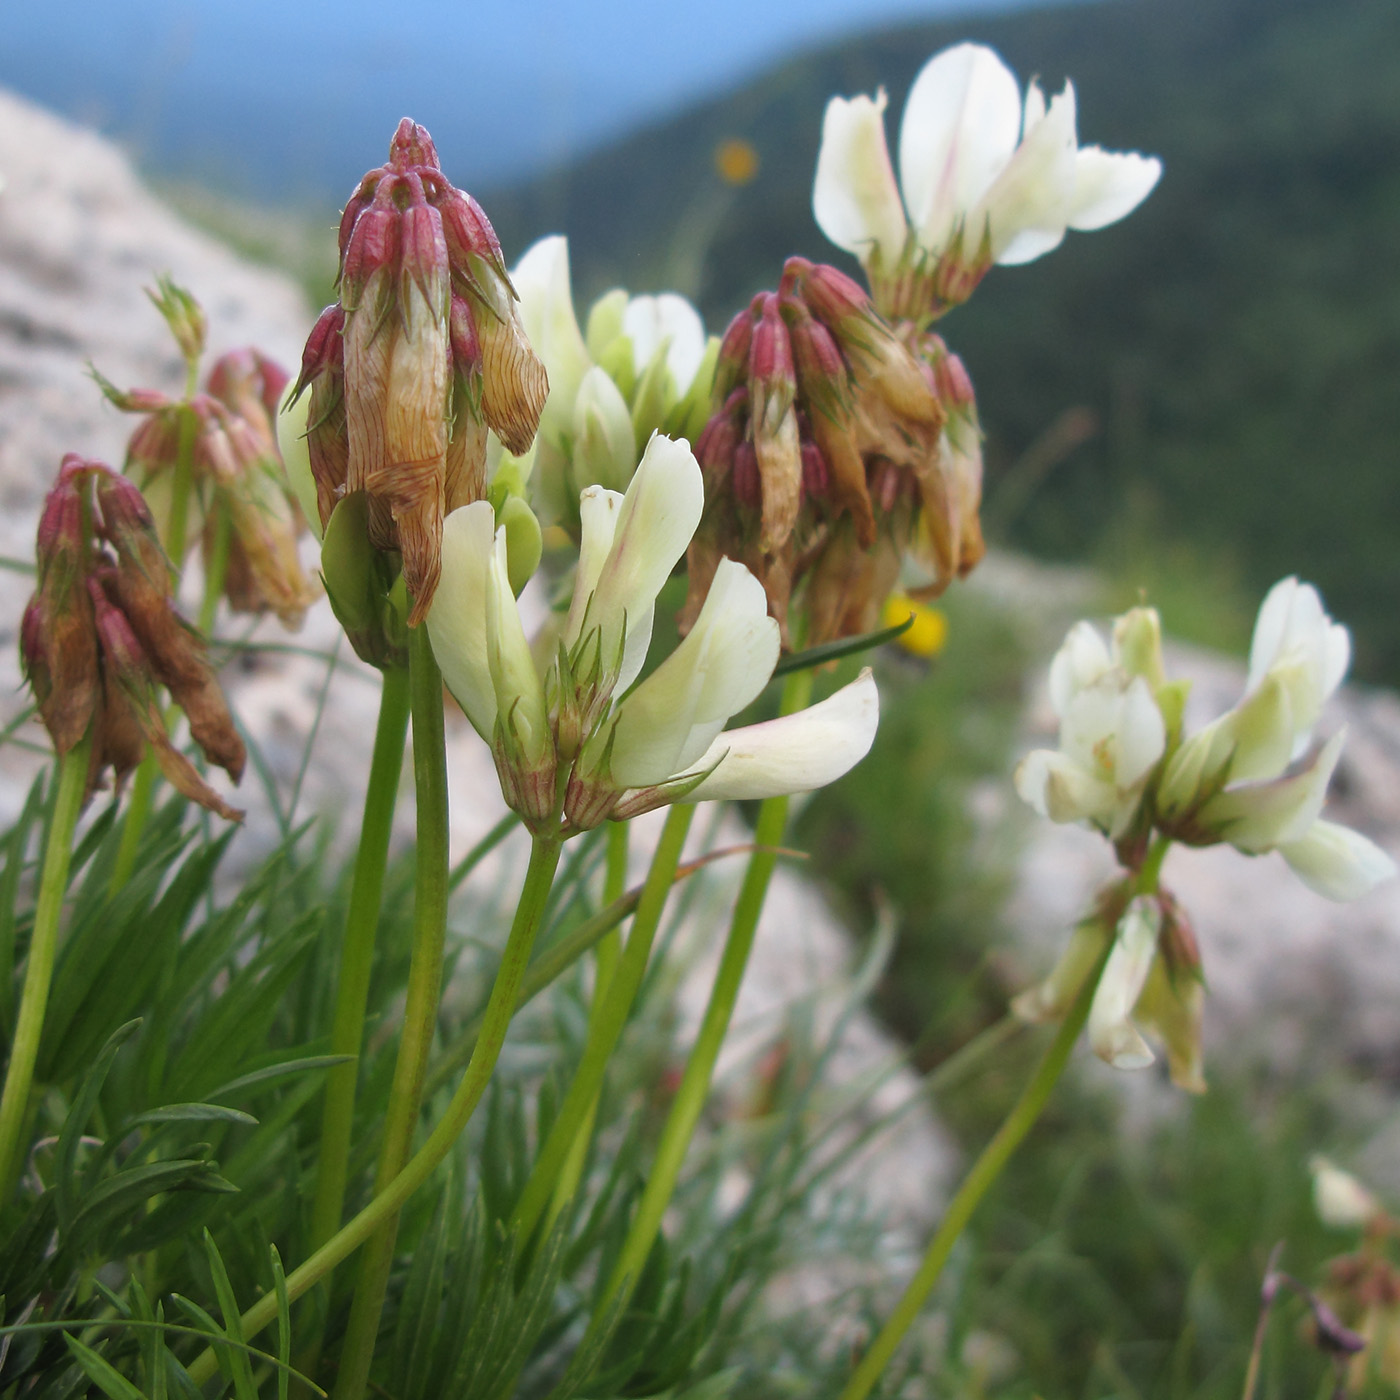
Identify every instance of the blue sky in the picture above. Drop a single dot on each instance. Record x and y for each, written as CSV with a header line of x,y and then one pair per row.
x,y
289,95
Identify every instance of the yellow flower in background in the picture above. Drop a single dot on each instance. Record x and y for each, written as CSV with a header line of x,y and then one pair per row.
x,y
927,634
736,161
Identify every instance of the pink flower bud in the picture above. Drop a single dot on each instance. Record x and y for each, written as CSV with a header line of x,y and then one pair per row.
x,y
424,256
746,478
373,247
325,347
732,366
816,475
412,146
833,297
468,232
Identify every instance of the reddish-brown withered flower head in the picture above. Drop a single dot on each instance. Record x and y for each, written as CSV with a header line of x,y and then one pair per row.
x,y
837,446
101,632
239,483
423,352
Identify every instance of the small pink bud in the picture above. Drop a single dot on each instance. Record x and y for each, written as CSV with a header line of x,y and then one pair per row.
x,y
770,354
748,482
466,345
468,232
412,147
720,439
833,297
325,347
61,524
355,206
373,247
732,366
424,257
816,475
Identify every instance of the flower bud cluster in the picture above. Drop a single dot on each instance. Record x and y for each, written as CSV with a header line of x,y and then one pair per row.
x,y
423,351
836,448
984,177
101,632
577,738
237,478
1250,778
642,366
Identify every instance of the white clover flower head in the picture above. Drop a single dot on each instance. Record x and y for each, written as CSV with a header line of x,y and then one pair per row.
x,y
1112,735
669,327
579,740
986,176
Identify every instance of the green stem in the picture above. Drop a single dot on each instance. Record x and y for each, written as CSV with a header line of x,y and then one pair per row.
x,y
138,810
575,1116
699,1071
505,995
605,964
420,1009
357,955
215,568
38,972
978,1181
184,477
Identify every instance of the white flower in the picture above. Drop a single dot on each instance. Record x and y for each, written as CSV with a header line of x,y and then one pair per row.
x,y
977,164
1340,1199
621,748
1231,781
668,326
541,280
1111,736
1111,1032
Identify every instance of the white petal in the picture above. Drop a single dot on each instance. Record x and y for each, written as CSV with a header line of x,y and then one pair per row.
x,y
1028,207
669,320
1265,815
1341,1200
599,510
1081,660
796,753
1063,790
457,619
659,516
960,128
1109,185
542,281
1142,735
855,200
1269,629
720,667
1111,1032
1337,862
605,451
519,695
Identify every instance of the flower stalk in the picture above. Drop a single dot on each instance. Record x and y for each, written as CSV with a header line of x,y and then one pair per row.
x,y
699,1071
431,878
357,954
38,973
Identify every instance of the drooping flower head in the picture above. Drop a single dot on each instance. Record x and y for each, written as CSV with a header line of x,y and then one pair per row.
x,y
579,740
1249,778
239,501
101,631
421,354
986,177
837,448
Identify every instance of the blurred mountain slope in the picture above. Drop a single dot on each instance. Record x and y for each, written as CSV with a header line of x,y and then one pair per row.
x,y
1237,340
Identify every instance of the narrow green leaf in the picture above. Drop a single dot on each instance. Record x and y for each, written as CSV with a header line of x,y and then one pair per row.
x,y
101,1372
280,1070
846,646
242,1369
191,1113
